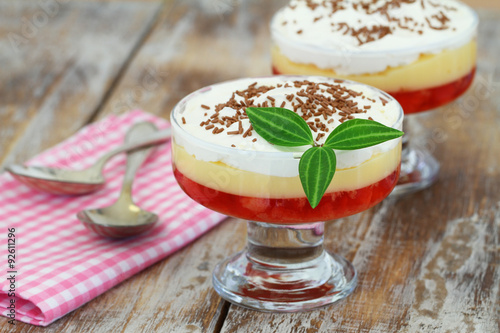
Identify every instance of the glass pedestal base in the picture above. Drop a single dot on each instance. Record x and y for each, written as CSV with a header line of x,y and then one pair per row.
x,y
284,269
419,169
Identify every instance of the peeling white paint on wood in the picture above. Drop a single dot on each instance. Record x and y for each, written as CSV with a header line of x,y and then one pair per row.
x,y
450,292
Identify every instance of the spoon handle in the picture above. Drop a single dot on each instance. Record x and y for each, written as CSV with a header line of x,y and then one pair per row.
x,y
135,158
148,138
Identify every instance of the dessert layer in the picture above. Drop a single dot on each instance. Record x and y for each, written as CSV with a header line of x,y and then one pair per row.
x,y
333,205
211,124
432,98
430,70
355,37
222,177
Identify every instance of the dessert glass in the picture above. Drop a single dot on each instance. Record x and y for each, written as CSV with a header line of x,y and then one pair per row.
x,y
284,266
443,68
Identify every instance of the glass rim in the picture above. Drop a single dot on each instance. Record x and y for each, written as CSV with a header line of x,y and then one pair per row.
x,y
442,44
266,154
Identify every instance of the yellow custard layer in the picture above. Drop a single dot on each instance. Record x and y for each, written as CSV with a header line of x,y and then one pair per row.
x,y
222,177
430,70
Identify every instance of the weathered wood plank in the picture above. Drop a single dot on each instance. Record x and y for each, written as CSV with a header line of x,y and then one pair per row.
x,y
56,65
196,44
427,262
58,60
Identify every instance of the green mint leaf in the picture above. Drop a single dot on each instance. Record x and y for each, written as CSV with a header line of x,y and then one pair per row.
x,y
360,133
316,169
280,127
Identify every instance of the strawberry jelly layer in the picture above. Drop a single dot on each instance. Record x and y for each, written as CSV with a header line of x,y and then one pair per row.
x,y
428,99
414,101
289,210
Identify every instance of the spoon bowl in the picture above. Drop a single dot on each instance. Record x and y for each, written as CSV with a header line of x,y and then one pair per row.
x,y
124,218
103,221
58,181
77,182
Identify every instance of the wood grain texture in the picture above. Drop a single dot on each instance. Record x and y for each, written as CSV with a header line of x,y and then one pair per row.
x,y
58,60
56,65
196,43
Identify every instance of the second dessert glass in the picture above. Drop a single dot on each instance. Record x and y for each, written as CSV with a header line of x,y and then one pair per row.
x,y
284,267
423,53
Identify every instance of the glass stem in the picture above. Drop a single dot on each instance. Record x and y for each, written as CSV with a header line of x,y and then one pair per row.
x,y
276,245
284,268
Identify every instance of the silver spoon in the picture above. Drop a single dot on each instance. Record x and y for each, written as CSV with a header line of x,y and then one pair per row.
x,y
123,218
76,182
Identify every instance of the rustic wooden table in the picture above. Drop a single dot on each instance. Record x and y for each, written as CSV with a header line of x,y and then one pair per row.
x,y
428,262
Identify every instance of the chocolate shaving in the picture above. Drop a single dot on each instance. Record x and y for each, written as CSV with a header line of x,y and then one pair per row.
x,y
389,10
316,103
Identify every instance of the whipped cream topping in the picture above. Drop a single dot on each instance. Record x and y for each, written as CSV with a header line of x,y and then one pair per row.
x,y
368,36
215,115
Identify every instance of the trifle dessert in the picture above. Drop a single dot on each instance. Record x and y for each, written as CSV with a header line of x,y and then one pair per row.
x,y
221,162
225,165
422,52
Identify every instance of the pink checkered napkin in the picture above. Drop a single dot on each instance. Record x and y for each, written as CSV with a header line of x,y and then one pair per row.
x,y
61,265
